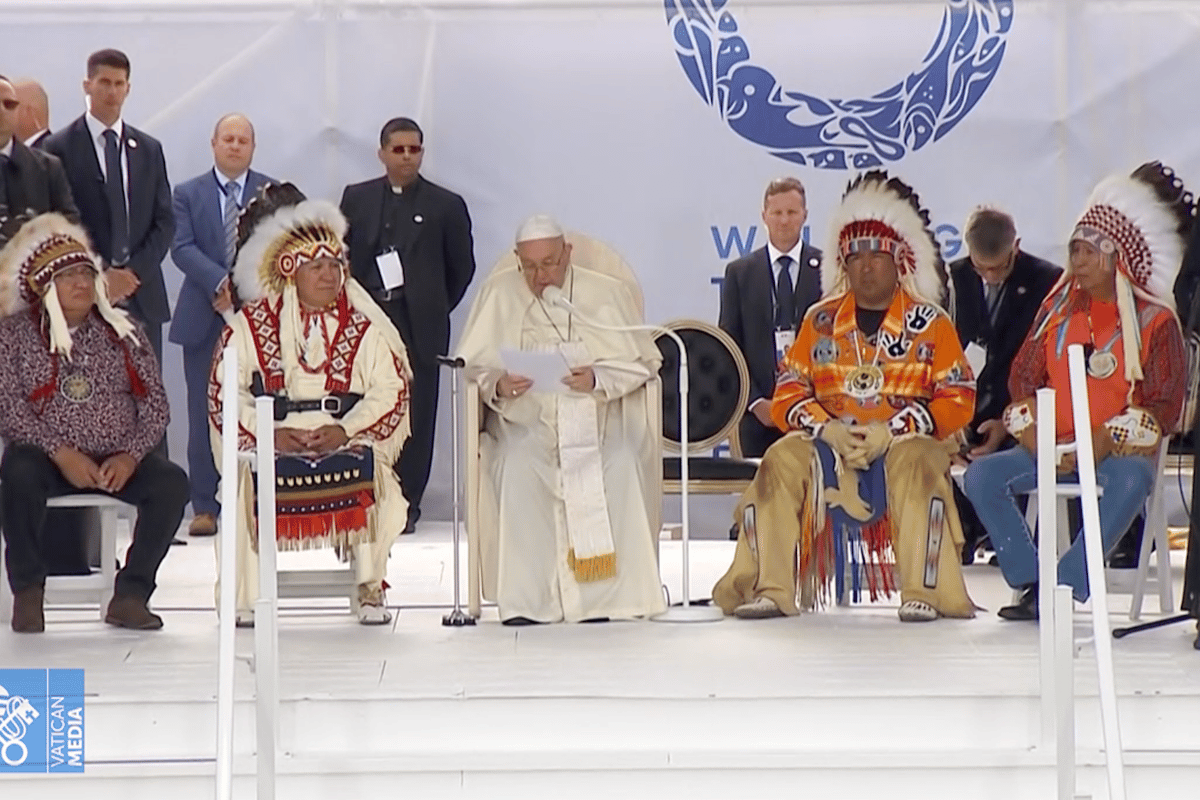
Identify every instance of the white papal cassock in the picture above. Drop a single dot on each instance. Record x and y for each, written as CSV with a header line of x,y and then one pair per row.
x,y
567,478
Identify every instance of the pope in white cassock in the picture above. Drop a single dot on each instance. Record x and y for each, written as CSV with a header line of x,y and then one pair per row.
x,y
309,335
568,467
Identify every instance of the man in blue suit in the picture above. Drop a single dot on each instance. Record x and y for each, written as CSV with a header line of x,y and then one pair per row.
x,y
206,213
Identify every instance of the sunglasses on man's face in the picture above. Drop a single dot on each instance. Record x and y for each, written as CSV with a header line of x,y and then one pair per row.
x,y
10,105
411,149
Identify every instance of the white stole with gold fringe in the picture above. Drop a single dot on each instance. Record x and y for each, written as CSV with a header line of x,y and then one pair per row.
x,y
592,556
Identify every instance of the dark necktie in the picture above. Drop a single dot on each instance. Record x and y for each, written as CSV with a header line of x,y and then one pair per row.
x,y
114,191
992,296
231,220
785,301
5,211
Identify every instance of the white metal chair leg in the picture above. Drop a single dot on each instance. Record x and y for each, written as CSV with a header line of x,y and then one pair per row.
x,y
108,550
1062,613
1154,541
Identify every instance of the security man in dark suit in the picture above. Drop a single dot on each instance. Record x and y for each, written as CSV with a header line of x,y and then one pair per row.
x,y
31,182
411,248
118,178
998,289
763,299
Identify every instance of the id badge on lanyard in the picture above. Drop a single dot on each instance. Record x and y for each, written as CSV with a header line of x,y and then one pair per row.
x,y
976,356
783,342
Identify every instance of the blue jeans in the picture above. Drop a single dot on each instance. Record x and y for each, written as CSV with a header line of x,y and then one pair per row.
x,y
992,484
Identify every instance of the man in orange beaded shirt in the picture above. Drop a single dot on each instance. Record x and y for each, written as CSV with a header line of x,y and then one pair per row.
x,y
874,384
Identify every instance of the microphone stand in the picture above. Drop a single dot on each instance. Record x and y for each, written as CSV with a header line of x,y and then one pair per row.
x,y
685,612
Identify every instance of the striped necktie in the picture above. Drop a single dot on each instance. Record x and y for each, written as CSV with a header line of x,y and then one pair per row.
x,y
231,220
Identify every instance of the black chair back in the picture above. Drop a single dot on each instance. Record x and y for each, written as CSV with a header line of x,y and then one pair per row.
x,y
718,384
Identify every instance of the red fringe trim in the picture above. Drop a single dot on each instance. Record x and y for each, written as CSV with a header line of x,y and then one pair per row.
x,y
317,526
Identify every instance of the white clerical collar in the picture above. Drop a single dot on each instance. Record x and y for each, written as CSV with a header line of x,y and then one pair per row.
x,y
97,128
774,253
402,189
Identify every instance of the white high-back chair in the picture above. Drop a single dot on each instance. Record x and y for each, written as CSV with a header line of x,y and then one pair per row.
x,y
482,548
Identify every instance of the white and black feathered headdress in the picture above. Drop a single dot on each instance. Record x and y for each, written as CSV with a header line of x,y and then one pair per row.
x,y
279,231
879,212
1141,221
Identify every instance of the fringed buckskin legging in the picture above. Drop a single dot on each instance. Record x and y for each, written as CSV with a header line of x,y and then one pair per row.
x,y
785,548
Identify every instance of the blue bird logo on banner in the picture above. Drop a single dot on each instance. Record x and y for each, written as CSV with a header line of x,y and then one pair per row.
x,y
841,133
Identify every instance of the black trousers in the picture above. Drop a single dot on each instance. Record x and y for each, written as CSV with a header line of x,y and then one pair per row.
x,y
153,331
755,437
28,479
417,456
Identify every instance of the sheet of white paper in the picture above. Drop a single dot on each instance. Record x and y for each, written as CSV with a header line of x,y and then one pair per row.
x,y
976,357
545,369
390,269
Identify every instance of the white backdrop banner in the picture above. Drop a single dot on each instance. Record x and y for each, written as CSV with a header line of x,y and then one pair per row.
x,y
653,125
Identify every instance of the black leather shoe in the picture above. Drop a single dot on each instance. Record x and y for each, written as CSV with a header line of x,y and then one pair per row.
x,y
1026,608
1127,552
518,621
27,614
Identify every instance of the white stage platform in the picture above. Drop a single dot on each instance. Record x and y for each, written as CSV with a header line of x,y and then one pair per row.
x,y
845,703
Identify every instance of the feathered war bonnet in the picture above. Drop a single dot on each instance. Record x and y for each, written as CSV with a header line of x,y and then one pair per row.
x,y
879,212
279,231
36,251
1141,222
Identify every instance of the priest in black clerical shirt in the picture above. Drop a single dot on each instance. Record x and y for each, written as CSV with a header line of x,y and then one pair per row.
x,y
411,248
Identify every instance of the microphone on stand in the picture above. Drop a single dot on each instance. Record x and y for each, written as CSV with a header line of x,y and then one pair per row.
x,y
686,612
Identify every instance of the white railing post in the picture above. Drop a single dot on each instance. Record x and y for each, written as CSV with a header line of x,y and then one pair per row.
x,y
227,574
266,608
1094,551
1047,558
1063,615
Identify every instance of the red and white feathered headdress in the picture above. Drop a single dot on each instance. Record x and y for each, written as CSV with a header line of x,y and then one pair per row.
x,y
1141,222
41,249
280,230
879,212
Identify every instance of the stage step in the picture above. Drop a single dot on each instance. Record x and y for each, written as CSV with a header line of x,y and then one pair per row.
x,y
952,745
847,703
